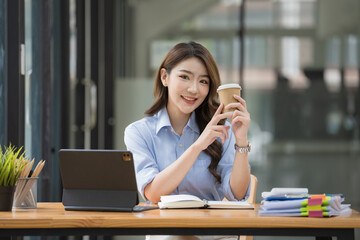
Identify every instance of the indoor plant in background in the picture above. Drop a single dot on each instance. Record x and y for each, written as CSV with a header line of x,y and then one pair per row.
x,y
12,163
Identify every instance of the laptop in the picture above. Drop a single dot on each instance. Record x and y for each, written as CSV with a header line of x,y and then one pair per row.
x,y
99,180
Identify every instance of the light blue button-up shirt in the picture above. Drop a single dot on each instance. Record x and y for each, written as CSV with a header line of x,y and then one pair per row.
x,y
155,145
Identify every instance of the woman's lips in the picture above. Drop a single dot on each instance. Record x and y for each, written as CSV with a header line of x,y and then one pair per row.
x,y
189,100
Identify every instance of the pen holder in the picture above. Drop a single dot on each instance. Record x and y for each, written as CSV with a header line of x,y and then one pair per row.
x,y
26,193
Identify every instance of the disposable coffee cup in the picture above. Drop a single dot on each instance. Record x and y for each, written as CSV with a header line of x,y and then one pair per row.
x,y
226,94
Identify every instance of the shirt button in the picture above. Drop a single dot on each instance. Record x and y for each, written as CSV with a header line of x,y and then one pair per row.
x,y
180,145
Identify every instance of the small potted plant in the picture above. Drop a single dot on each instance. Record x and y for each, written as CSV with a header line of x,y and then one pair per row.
x,y
12,163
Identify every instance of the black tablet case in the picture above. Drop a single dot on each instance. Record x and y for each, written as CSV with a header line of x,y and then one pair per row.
x,y
100,180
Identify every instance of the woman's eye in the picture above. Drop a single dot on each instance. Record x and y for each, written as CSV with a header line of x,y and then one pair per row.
x,y
184,77
204,82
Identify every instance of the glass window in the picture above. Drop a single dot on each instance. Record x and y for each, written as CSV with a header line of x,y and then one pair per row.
x,y
301,80
28,73
155,29
2,75
302,89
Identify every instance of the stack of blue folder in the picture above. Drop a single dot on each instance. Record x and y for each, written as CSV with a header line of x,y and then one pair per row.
x,y
286,202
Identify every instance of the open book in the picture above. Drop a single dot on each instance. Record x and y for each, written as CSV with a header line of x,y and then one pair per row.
x,y
190,201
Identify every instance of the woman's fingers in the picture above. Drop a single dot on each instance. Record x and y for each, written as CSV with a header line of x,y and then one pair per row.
x,y
239,112
241,104
213,130
238,106
219,116
240,99
219,109
220,131
217,113
223,130
244,119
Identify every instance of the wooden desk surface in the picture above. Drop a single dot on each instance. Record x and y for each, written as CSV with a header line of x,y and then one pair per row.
x,y
53,215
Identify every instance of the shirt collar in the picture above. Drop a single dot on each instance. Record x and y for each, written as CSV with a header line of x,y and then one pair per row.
x,y
164,121
192,123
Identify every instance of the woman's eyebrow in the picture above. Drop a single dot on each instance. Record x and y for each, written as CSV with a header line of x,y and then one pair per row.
x,y
189,72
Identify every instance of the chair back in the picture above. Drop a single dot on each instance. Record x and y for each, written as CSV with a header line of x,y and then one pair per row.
x,y
253,187
251,199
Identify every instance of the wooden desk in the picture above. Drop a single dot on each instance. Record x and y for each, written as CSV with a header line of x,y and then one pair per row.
x,y
52,219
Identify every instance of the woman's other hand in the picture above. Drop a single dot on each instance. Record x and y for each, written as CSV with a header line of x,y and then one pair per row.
x,y
240,120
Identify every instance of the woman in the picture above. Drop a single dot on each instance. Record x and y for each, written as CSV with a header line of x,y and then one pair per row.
x,y
184,144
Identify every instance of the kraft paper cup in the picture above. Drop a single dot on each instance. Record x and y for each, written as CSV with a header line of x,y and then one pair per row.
x,y
226,94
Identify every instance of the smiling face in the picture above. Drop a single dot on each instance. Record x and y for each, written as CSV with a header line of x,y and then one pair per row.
x,y
188,85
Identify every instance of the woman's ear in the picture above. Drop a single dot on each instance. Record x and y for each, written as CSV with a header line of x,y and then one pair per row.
x,y
164,77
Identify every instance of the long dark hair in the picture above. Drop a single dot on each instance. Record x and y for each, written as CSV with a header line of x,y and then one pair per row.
x,y
206,110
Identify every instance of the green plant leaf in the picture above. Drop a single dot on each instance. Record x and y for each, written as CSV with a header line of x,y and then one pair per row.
x,y
12,163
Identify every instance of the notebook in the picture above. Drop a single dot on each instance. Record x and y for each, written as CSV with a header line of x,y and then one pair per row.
x,y
99,180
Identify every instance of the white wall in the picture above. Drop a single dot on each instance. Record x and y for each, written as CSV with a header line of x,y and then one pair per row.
x,y
132,97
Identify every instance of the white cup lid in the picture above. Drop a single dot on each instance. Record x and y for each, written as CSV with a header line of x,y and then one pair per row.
x,y
229,85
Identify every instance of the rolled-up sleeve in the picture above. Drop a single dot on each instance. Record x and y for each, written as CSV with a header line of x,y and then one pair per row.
x,y
145,165
225,168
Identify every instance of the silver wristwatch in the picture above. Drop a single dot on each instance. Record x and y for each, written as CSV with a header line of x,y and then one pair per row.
x,y
243,149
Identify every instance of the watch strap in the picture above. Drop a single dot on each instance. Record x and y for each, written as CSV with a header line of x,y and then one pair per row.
x,y
245,149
